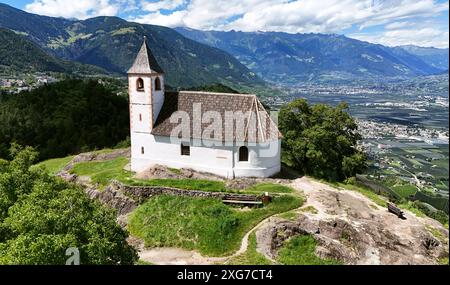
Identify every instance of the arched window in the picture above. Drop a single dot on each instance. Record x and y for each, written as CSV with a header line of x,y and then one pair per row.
x,y
157,84
142,150
140,117
140,84
243,153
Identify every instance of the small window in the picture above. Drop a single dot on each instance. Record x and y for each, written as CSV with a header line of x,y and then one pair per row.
x,y
243,153
157,84
142,150
140,84
185,150
140,117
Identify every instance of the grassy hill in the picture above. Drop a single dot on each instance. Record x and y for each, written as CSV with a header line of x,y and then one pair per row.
x,y
206,225
203,224
209,226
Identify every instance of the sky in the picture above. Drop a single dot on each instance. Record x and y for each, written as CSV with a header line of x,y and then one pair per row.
x,y
388,22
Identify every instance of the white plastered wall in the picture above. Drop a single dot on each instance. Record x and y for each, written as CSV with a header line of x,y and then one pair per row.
x,y
219,160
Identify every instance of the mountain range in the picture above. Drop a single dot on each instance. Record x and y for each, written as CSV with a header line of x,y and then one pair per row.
x,y
433,56
292,58
112,43
17,53
197,58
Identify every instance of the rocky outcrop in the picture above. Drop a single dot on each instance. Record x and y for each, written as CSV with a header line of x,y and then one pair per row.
x,y
163,172
338,239
113,198
349,227
97,156
244,183
159,171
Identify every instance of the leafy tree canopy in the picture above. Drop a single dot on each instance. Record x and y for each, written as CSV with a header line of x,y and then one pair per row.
x,y
213,88
63,118
42,216
320,140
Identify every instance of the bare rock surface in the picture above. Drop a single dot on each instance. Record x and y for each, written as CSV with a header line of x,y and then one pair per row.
x,y
113,198
163,172
350,227
97,156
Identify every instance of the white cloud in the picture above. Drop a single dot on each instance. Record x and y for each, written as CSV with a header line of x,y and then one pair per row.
x,y
326,16
176,19
161,5
205,14
427,32
426,37
80,9
396,25
395,21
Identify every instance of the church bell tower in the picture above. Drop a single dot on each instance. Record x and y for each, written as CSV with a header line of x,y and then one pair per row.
x,y
145,90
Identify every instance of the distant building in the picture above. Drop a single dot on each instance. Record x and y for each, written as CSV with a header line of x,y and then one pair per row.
x,y
252,152
383,146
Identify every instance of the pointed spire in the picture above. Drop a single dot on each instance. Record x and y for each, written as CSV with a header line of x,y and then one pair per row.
x,y
145,62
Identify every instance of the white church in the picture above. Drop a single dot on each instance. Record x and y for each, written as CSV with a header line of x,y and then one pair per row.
x,y
237,150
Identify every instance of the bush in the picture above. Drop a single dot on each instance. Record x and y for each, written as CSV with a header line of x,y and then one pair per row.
x,y
124,144
350,181
41,216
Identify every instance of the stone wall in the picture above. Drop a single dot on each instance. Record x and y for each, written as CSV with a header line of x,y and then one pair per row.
x,y
113,198
141,193
125,198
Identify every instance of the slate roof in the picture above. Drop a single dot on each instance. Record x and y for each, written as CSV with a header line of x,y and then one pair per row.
x,y
261,127
145,62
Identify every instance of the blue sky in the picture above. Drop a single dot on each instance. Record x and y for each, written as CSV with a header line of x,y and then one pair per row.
x,y
389,22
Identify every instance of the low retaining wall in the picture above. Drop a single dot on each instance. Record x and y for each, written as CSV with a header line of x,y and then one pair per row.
x,y
125,198
113,198
141,193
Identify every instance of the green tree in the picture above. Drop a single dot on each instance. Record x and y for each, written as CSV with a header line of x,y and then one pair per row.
x,y
63,118
320,140
41,216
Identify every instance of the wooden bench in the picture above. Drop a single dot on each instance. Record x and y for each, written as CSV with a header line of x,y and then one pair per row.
x,y
242,202
248,200
395,210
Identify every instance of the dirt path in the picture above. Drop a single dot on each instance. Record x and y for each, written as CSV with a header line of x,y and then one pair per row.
x,y
180,256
